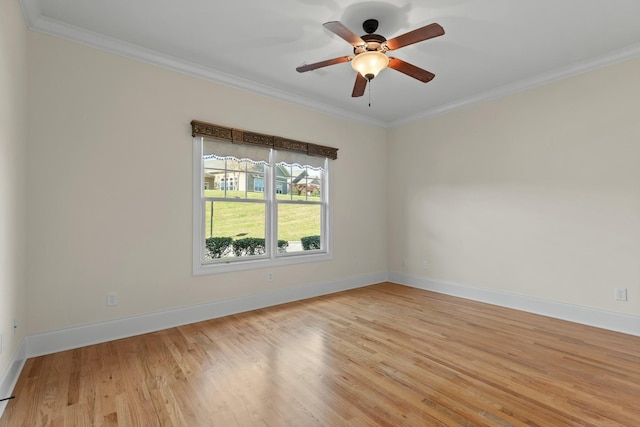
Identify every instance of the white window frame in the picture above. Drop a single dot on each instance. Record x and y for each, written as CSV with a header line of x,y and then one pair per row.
x,y
273,259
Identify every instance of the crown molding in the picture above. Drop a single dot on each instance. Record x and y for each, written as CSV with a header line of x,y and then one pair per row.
x,y
31,12
36,22
523,85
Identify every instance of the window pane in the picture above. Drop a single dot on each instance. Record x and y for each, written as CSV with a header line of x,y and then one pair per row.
x,y
233,179
237,229
298,183
213,169
300,225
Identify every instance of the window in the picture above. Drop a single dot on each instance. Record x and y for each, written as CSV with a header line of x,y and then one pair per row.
x,y
258,206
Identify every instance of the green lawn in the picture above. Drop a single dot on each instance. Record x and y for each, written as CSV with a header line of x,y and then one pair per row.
x,y
239,220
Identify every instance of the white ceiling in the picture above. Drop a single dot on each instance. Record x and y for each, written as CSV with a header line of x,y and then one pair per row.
x,y
491,47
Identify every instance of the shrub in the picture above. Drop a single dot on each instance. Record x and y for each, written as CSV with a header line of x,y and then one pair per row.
x,y
248,246
282,246
310,242
218,246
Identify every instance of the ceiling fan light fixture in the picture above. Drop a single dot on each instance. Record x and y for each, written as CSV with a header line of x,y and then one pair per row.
x,y
369,64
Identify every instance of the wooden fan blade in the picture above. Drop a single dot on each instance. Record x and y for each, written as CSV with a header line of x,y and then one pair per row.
x,y
359,86
411,70
337,28
309,67
427,32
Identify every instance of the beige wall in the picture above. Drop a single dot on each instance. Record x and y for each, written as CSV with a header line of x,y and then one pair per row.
x,y
110,180
536,194
13,140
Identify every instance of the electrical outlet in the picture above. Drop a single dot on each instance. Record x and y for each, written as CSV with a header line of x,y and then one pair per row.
x,y
112,299
356,263
404,262
269,277
425,265
621,294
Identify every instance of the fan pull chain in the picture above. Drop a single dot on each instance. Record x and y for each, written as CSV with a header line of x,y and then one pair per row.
x,y
369,93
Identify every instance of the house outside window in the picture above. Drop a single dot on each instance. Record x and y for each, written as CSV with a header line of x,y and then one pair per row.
x,y
258,184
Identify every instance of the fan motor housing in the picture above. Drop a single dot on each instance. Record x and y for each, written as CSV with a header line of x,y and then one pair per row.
x,y
373,42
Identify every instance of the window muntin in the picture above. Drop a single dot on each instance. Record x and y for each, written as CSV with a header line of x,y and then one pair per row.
x,y
244,197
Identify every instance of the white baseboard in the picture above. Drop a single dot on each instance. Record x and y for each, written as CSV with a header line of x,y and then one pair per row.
x,y
628,324
66,339
10,377
80,336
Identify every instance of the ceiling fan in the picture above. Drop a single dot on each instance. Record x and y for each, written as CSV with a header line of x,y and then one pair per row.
x,y
370,52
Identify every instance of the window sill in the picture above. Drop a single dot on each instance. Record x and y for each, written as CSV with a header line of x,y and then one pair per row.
x,y
200,269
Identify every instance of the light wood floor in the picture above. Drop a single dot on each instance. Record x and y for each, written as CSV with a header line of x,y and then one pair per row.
x,y
382,355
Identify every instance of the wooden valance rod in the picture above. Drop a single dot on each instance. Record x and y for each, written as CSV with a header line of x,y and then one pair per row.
x,y
239,136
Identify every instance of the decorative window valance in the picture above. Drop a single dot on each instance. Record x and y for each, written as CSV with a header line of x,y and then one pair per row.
x,y
239,136
220,149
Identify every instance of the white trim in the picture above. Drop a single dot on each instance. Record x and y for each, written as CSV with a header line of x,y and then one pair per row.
x,y
66,339
271,259
36,22
198,214
625,323
10,378
244,265
525,84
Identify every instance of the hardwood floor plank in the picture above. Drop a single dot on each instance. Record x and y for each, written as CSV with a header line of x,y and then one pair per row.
x,y
381,355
